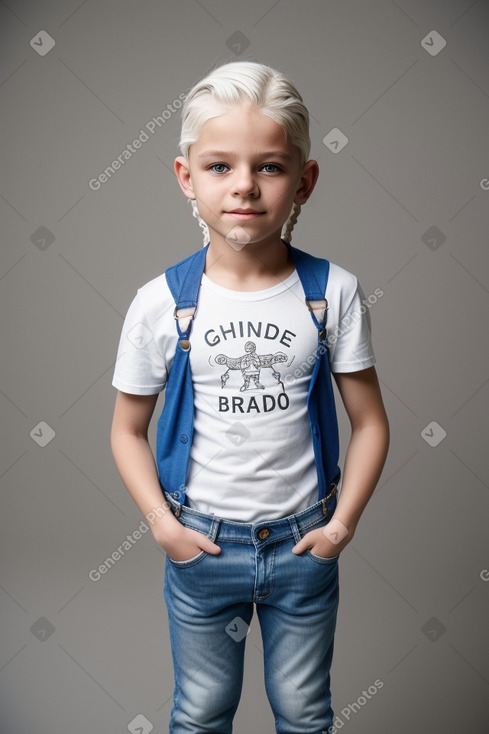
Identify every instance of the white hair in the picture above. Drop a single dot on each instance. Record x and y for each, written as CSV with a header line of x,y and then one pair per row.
x,y
272,93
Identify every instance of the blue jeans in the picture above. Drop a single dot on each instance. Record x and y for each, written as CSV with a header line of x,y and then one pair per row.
x,y
210,606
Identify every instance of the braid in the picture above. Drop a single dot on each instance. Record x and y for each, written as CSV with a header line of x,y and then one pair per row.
x,y
202,224
291,221
289,225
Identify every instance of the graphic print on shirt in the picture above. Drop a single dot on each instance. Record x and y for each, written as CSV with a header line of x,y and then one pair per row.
x,y
250,364
249,372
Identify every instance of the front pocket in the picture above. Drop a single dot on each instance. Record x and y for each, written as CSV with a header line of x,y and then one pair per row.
x,y
190,561
320,559
319,523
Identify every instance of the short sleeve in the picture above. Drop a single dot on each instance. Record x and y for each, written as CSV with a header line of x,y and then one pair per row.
x,y
142,364
349,329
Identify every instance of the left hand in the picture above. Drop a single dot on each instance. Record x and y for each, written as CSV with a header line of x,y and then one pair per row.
x,y
317,542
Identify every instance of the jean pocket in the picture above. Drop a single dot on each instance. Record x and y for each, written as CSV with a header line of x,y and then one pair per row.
x,y
190,561
321,523
321,559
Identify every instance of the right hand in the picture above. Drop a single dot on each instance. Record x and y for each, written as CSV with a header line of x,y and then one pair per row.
x,y
182,543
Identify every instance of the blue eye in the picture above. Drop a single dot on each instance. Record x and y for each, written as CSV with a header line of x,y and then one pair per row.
x,y
218,165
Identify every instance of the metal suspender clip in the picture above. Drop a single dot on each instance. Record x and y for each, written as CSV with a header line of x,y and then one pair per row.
x,y
184,318
318,310
321,305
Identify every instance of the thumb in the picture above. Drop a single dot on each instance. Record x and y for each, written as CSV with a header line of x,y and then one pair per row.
x,y
300,547
210,547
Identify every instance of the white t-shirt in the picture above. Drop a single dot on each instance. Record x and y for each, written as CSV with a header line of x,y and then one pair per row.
x,y
251,359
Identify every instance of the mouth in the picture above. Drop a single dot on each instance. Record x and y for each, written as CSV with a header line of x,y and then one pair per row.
x,y
245,213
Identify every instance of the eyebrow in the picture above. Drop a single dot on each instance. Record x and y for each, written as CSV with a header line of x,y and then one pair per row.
x,y
225,153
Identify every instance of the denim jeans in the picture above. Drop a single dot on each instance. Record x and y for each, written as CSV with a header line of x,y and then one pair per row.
x,y
210,601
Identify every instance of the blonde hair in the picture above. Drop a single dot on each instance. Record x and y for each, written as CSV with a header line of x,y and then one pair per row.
x,y
233,83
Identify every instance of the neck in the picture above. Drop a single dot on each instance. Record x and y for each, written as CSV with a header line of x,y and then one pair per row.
x,y
253,267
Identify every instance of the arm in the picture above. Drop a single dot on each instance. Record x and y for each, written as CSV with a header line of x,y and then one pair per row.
x,y
136,465
364,461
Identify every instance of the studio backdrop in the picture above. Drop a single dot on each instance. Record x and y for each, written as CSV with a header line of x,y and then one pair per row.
x,y
91,94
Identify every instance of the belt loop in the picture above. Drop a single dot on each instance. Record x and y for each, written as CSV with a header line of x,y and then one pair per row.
x,y
214,529
294,527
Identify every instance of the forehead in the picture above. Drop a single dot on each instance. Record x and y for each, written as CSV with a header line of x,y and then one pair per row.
x,y
243,128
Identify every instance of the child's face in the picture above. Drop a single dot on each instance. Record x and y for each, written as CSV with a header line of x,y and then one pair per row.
x,y
242,161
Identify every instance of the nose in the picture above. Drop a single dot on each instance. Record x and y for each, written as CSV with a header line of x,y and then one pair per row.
x,y
244,182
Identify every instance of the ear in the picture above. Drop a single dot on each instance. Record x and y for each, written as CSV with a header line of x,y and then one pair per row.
x,y
182,172
309,177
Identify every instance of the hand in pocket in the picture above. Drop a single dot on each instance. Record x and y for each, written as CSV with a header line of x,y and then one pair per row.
x,y
185,543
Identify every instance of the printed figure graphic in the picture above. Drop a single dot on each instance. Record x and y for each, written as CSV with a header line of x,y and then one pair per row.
x,y
251,365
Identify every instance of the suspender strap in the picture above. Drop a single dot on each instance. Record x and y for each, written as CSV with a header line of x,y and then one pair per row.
x,y
310,277
313,273
175,426
184,283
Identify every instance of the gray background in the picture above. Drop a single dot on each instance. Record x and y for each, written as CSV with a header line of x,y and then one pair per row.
x,y
93,656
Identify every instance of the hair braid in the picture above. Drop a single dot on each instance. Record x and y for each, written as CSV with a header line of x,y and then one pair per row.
x,y
291,222
202,224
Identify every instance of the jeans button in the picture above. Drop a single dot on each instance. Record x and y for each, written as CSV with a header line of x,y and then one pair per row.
x,y
264,533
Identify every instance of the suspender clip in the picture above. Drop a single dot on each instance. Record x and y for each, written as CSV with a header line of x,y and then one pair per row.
x,y
184,318
318,311
321,305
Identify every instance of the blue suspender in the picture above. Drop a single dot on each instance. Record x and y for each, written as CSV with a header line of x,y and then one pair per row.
x,y
185,285
175,426
313,273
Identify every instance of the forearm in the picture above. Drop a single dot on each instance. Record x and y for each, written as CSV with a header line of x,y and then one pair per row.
x,y
364,461
135,461
136,465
